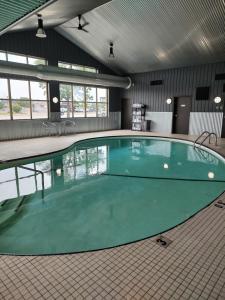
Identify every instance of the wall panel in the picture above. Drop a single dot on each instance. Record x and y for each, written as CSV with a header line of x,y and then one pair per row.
x,y
176,82
33,128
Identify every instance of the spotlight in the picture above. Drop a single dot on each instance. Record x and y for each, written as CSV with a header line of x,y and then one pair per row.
x,y
166,166
40,30
111,53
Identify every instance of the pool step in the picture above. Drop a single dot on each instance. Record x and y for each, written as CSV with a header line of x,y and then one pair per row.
x,y
163,241
13,204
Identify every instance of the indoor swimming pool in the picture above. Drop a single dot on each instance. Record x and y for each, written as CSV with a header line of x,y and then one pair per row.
x,y
104,192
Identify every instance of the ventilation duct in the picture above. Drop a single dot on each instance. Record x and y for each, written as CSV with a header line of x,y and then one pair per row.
x,y
49,73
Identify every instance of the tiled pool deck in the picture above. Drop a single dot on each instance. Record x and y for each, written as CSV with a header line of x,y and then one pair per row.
x,y
191,267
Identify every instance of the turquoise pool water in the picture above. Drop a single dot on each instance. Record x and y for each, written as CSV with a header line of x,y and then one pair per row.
x,y
104,192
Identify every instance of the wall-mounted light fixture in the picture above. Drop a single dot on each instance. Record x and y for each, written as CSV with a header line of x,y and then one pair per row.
x,y
55,100
111,52
40,30
169,101
217,99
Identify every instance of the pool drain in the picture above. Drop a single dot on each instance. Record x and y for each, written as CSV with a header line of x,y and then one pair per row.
x,y
162,241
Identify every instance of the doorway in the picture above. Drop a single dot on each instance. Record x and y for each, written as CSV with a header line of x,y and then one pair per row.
x,y
181,114
126,113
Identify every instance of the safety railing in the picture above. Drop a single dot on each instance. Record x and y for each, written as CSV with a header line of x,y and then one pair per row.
x,y
207,136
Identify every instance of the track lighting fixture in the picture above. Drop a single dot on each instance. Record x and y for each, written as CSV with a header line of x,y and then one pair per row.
x,y
40,30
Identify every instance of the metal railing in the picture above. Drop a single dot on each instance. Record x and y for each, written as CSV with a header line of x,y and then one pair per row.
x,y
208,136
42,178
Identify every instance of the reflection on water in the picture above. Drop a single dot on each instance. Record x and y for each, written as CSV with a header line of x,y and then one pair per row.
x,y
78,164
74,165
126,156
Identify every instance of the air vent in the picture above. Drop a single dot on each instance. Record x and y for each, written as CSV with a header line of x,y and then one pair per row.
x,y
202,93
220,76
156,82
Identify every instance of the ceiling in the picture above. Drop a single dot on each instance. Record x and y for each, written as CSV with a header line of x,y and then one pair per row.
x,y
153,34
13,10
59,12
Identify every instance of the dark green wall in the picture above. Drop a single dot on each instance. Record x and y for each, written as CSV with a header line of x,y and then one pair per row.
x,y
56,48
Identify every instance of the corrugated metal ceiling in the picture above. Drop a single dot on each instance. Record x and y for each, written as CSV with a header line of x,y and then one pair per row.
x,y
13,10
59,12
153,34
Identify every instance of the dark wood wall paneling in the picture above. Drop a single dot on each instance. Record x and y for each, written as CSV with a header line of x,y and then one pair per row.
x,y
176,82
56,48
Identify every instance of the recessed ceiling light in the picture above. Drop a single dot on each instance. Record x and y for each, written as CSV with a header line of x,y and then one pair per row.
x,y
165,166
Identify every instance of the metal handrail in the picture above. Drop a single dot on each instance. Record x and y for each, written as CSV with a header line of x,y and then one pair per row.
x,y
213,133
198,138
209,134
42,178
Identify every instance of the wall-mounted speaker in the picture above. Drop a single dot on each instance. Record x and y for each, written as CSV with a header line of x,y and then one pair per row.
x,y
156,82
220,76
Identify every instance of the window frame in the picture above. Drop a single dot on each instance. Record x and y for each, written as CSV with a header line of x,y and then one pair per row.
x,y
30,100
77,65
24,55
85,101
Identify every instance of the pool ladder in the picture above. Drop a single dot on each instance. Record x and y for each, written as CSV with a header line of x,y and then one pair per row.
x,y
208,136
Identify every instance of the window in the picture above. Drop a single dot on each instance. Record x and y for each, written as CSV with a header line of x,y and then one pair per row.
x,y
77,67
20,58
83,101
23,99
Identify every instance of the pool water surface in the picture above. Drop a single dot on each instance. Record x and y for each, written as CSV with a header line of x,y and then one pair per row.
x,y
104,192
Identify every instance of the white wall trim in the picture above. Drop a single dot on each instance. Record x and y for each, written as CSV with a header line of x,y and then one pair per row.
x,y
160,121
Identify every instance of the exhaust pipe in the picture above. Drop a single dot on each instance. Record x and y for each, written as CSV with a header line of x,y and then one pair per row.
x,y
49,73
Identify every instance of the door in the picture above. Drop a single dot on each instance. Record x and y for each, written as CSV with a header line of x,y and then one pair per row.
x,y
181,115
126,114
